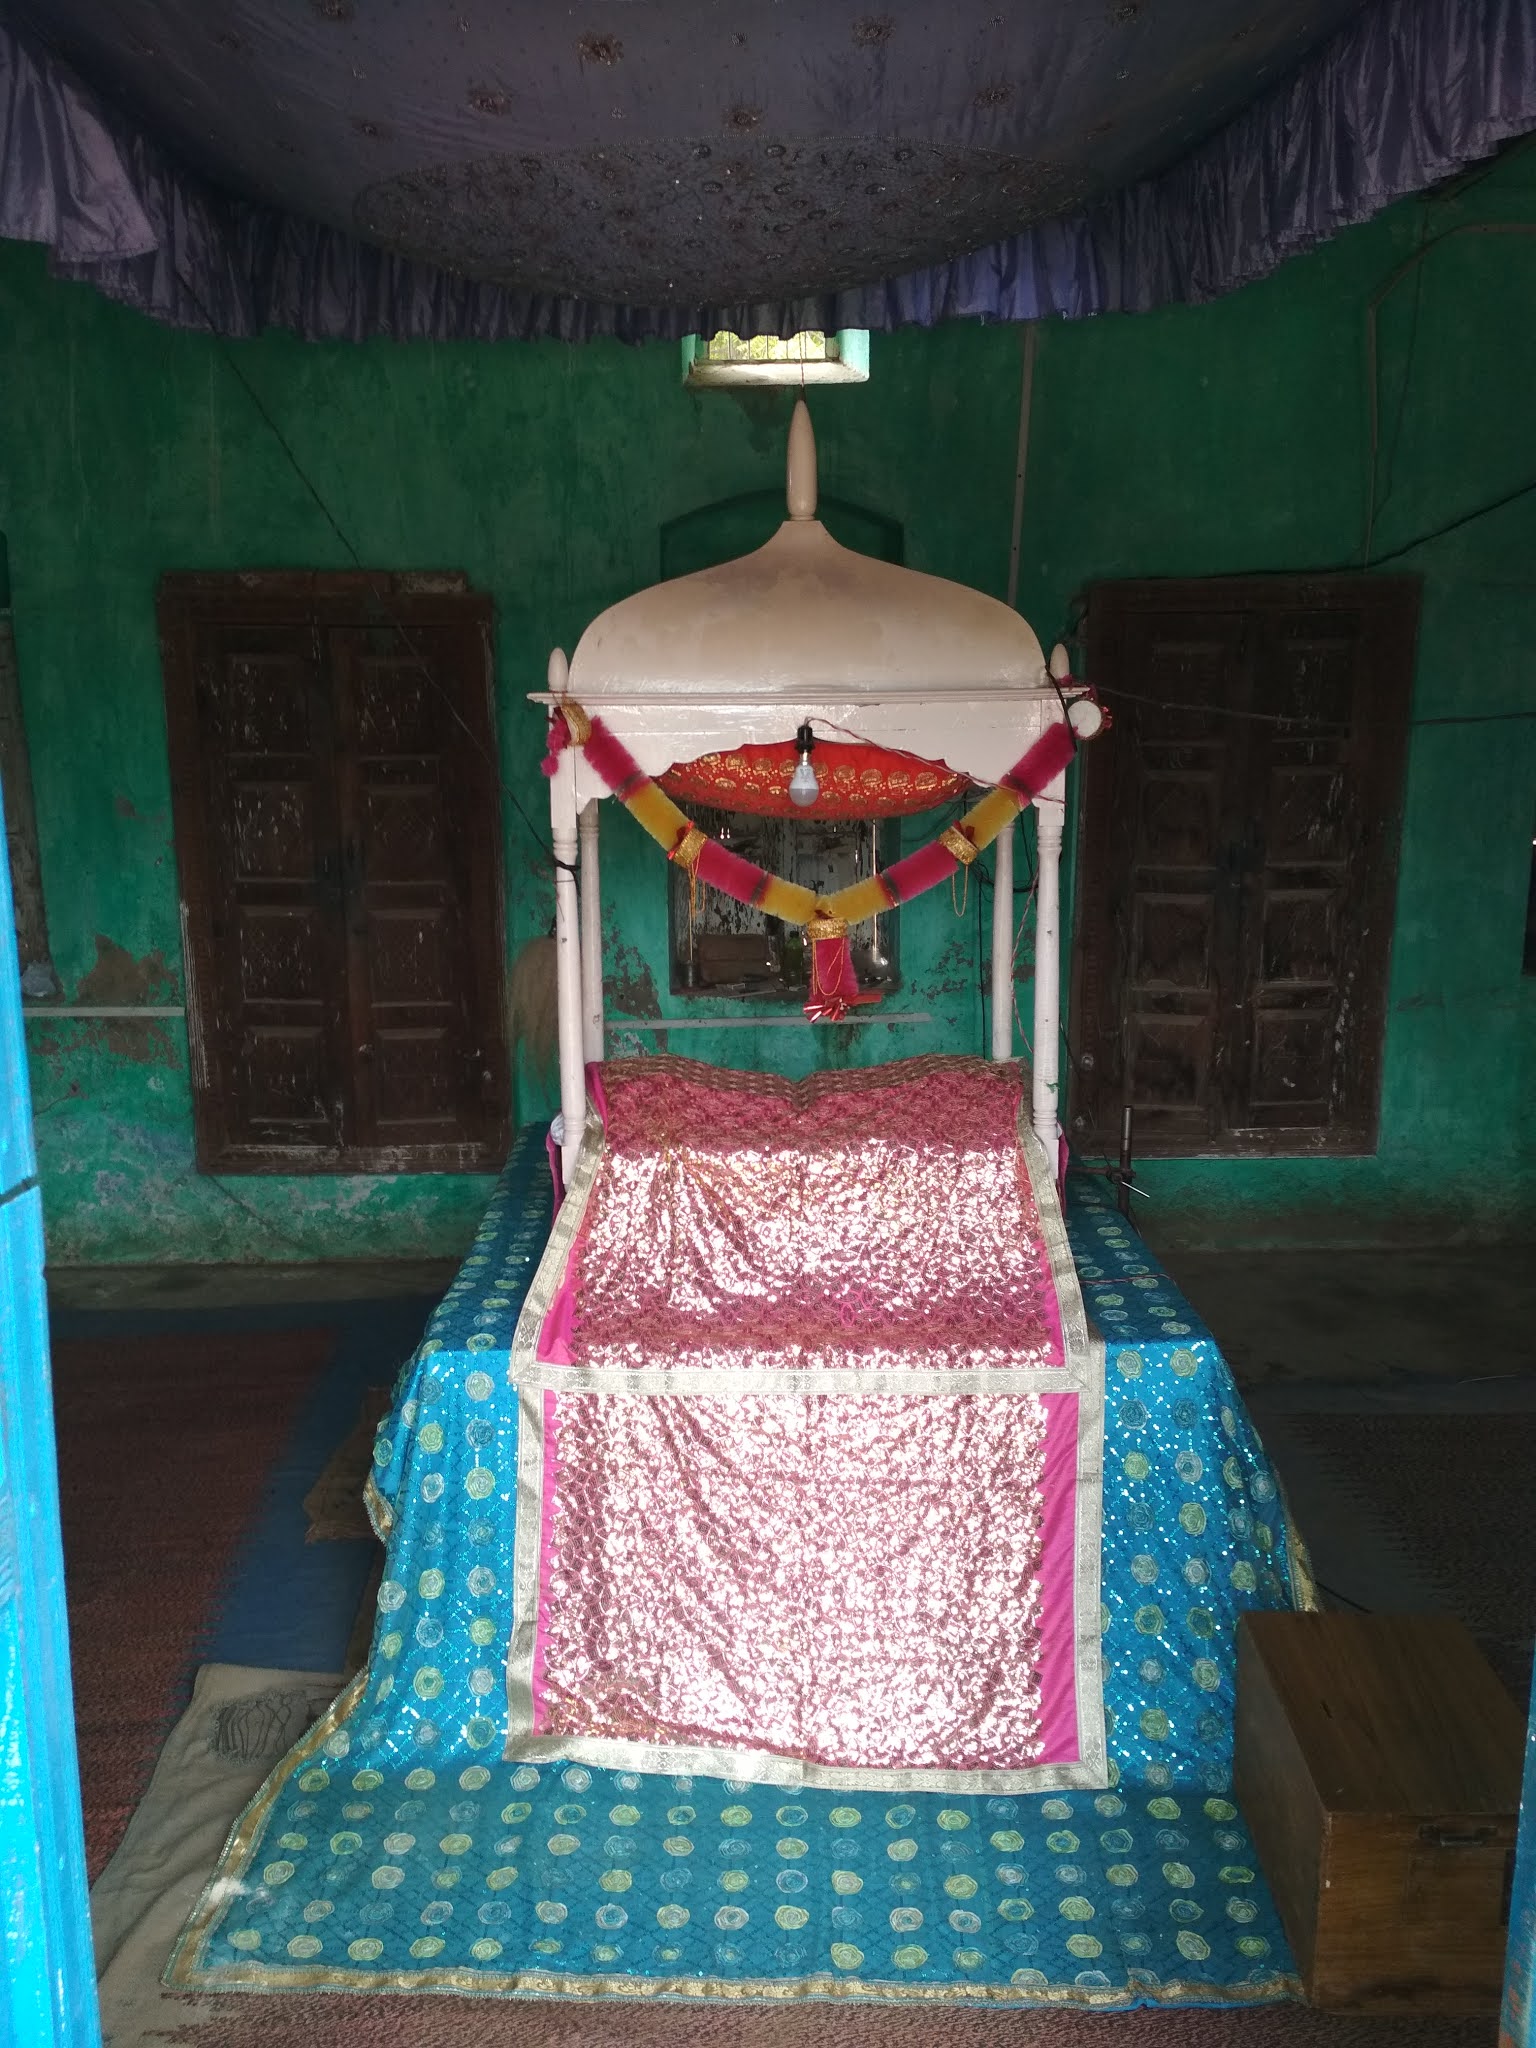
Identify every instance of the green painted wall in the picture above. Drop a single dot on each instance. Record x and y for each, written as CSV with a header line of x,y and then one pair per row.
x,y
1237,437
1232,437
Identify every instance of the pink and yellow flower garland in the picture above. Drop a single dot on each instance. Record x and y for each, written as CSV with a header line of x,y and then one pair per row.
x,y
834,988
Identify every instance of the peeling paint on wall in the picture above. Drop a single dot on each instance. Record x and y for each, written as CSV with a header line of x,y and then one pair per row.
x,y
118,977
115,1137
140,1041
629,986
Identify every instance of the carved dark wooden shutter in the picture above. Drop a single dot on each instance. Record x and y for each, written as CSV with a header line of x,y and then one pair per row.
x,y
337,811
1238,861
420,851
257,828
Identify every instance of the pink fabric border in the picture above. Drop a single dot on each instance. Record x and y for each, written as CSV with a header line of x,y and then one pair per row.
x,y
599,1098
556,1332
1050,1300
554,1346
1059,1742
597,1091
1050,1308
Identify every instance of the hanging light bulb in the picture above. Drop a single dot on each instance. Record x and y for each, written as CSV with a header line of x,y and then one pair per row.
x,y
803,786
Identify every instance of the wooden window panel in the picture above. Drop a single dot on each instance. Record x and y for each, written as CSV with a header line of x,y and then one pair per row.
x,y
422,848
1238,862
337,824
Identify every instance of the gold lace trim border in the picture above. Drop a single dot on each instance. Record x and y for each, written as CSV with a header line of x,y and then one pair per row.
x,y
1181,1991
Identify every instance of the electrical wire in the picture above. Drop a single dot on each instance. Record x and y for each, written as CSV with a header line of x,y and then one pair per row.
x,y
379,597
1435,533
1368,557
1334,1594
1319,728
1472,718
1414,266
1375,498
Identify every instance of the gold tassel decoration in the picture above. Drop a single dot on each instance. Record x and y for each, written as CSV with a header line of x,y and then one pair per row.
x,y
954,840
686,854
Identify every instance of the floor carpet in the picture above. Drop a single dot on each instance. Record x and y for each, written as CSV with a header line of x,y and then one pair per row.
x,y
1454,1492
165,1446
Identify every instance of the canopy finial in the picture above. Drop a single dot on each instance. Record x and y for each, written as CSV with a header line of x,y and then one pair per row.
x,y
800,478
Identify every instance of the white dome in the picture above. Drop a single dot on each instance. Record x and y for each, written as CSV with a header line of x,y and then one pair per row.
x,y
803,618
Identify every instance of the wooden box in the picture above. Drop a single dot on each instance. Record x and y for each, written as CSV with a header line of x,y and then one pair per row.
x,y
1378,1765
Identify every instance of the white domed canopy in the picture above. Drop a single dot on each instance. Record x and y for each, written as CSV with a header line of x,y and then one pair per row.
x,y
805,632
803,619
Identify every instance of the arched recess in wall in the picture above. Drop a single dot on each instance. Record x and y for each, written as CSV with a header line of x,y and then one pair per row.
x,y
734,526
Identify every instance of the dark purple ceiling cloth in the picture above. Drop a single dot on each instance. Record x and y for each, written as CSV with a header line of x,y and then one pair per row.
x,y
678,152
1408,93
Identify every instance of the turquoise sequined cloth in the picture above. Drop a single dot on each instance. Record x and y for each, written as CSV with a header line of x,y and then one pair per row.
x,y
394,1850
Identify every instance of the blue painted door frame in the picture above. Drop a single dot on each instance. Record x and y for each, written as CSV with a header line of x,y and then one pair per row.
x,y
1518,2026
48,1984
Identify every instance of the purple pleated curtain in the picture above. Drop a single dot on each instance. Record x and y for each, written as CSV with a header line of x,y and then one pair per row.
x,y
1408,93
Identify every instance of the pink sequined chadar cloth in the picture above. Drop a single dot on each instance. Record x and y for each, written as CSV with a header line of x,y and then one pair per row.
x,y
809,1477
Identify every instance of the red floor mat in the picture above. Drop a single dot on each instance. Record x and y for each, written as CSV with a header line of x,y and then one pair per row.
x,y
165,1445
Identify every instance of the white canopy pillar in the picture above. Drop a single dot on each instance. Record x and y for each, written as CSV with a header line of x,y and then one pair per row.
x,y
563,836
1002,947
1050,816
591,937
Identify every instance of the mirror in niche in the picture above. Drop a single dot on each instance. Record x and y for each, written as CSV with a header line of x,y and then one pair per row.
x,y
725,948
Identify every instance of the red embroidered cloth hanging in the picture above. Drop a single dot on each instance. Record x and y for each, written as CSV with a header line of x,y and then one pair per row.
x,y
857,781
